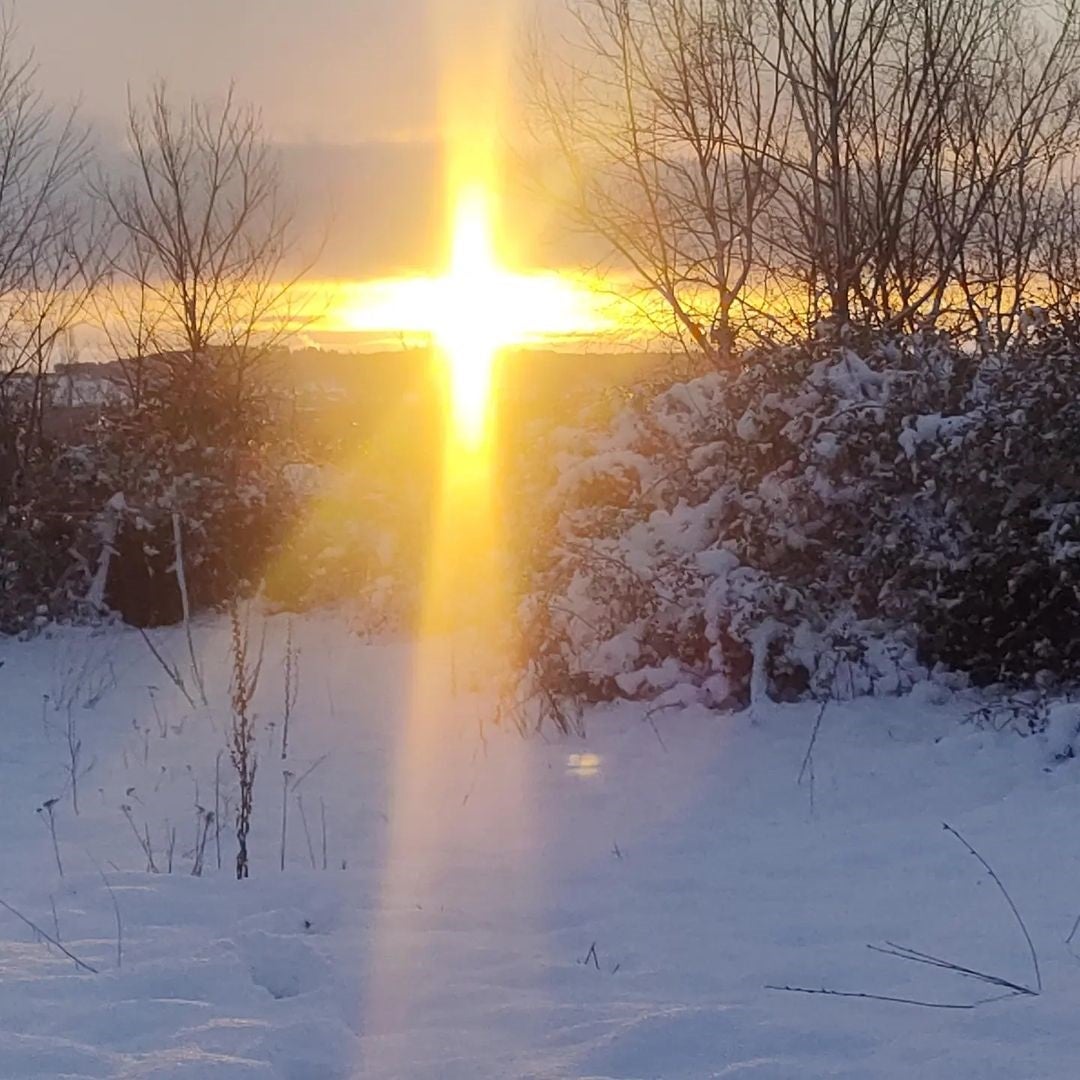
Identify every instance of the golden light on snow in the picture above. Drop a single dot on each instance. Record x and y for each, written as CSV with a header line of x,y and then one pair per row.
x,y
584,765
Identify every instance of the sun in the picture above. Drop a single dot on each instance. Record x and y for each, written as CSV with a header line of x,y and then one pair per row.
x,y
480,308
477,313
475,308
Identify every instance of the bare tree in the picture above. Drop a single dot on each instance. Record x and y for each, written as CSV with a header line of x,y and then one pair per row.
x,y
914,122
127,312
755,164
668,124
201,284
1034,126
1059,254
44,268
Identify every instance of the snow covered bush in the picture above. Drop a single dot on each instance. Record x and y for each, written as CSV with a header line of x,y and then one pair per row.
x,y
96,527
821,522
213,508
134,512
999,584
47,539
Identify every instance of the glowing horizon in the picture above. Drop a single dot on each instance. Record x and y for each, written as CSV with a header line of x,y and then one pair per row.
x,y
476,308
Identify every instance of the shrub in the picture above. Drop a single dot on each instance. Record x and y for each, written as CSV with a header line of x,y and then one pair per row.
x,y
47,539
225,499
820,522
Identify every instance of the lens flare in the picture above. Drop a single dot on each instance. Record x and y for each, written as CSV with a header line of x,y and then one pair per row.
x,y
470,327
476,308
480,308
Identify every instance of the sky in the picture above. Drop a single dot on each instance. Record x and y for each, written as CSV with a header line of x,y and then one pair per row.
x,y
338,71
348,89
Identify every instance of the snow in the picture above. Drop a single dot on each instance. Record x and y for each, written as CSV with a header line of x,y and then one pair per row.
x,y
612,907
107,530
931,429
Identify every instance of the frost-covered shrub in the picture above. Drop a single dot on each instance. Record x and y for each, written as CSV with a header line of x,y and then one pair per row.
x,y
94,528
222,504
47,539
818,523
998,587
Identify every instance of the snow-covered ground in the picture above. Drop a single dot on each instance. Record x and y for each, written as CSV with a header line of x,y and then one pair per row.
x,y
613,907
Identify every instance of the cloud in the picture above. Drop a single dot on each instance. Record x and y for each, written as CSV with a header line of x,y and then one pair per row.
x,y
375,206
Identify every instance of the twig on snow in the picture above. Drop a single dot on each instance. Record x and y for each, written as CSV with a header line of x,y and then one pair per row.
x,y
181,582
1009,900
872,997
307,831
902,952
217,807
291,666
116,912
286,776
591,956
172,670
143,838
322,815
808,757
81,964
308,771
47,806
1072,932
648,718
